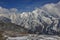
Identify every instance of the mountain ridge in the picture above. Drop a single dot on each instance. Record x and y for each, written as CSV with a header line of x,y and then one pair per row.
x,y
37,21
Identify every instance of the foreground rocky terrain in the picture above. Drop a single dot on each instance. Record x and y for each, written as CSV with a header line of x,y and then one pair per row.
x,y
3,36
35,37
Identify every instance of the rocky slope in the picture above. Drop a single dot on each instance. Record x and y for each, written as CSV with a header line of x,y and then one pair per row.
x,y
37,21
8,26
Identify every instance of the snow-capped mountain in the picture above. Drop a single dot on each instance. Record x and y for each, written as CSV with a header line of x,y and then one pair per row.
x,y
45,19
38,20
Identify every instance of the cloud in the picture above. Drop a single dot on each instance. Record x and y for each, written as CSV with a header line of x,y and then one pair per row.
x,y
53,9
13,10
5,10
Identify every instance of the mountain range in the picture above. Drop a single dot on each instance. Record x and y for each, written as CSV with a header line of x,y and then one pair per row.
x,y
38,21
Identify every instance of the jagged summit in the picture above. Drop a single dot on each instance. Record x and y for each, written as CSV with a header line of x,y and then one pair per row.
x,y
38,21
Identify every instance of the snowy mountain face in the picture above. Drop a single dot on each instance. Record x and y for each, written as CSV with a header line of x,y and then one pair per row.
x,y
45,19
4,19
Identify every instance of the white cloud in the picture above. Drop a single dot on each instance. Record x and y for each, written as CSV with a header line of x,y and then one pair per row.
x,y
5,10
53,9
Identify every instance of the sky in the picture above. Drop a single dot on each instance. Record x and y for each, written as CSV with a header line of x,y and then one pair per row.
x,y
25,5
